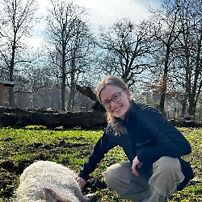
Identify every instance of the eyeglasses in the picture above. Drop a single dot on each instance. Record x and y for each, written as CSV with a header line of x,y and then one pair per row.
x,y
116,97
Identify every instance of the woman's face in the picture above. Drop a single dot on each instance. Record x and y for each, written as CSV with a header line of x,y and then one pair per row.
x,y
115,100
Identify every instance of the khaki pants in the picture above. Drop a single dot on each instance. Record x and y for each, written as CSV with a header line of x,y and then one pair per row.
x,y
151,185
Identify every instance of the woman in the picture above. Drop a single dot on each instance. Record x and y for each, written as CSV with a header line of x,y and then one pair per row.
x,y
153,146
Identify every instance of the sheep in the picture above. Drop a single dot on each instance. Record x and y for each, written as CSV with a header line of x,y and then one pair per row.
x,y
49,181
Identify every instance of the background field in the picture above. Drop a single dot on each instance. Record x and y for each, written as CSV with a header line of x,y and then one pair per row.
x,y
20,147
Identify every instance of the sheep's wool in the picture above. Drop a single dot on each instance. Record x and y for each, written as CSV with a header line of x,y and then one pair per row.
x,y
46,174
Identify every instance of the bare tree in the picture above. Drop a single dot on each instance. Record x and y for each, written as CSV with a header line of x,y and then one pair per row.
x,y
66,31
33,79
81,49
16,20
125,47
189,49
165,32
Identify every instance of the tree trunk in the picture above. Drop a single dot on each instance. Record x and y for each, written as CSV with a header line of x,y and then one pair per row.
x,y
11,68
164,82
63,86
184,105
192,108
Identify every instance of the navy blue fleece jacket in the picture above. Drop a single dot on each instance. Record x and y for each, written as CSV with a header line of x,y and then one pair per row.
x,y
149,136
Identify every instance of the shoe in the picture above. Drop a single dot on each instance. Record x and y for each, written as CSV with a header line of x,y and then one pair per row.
x,y
187,172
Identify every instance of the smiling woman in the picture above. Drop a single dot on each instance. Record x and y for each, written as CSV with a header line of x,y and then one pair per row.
x,y
116,100
153,170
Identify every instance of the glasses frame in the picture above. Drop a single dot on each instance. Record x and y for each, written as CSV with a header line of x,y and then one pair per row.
x,y
116,98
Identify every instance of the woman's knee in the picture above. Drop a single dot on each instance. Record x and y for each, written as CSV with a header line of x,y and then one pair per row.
x,y
166,174
166,165
114,174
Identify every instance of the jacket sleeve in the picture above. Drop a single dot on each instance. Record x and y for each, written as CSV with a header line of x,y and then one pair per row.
x,y
104,144
168,140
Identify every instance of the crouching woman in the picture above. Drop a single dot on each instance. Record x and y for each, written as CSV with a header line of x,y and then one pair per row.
x,y
154,147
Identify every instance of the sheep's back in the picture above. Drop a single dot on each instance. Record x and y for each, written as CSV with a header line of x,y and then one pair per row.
x,y
46,174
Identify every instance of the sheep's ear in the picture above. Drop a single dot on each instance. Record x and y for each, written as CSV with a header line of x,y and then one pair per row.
x,y
52,196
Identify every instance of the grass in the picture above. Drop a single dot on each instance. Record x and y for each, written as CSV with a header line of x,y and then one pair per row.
x,y
20,147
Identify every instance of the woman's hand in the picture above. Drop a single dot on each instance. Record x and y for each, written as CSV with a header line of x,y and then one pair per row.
x,y
135,165
81,182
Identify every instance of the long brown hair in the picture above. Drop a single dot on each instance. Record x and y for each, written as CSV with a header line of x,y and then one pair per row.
x,y
114,81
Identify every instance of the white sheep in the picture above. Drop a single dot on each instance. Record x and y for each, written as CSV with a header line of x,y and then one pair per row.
x,y
50,182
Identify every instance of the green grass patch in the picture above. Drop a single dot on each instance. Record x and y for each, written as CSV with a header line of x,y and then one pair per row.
x,y
20,147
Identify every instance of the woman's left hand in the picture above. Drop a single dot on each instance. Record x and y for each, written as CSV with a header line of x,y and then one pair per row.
x,y
135,165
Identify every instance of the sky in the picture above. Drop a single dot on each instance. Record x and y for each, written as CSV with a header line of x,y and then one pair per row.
x,y
103,12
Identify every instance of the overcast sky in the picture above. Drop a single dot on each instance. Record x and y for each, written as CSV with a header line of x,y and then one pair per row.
x,y
105,12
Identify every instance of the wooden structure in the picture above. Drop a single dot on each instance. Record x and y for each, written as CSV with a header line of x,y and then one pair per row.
x,y
3,85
